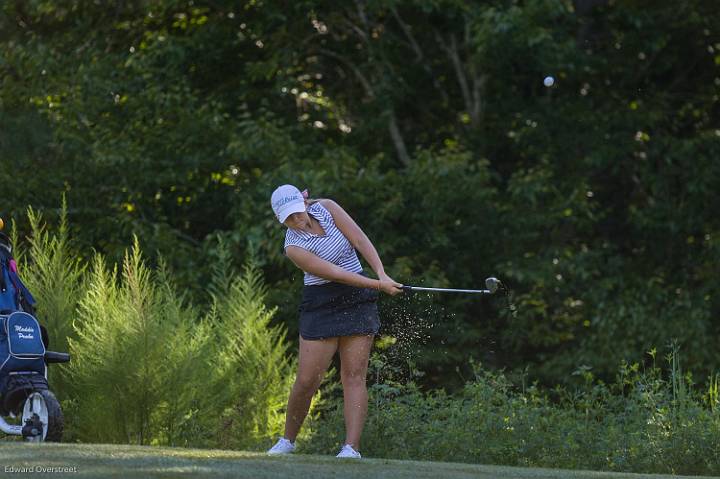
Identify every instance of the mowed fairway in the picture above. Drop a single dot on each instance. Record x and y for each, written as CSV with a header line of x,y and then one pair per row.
x,y
91,460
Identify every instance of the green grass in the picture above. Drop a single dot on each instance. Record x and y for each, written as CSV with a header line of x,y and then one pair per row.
x,y
102,460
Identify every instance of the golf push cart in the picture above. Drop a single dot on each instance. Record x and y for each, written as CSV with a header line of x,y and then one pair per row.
x,y
25,396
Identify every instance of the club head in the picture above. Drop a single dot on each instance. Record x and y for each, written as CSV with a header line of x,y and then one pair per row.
x,y
492,284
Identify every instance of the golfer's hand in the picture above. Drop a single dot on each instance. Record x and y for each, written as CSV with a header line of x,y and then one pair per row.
x,y
389,285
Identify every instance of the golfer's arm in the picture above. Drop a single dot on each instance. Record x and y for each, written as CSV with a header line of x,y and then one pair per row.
x,y
355,235
313,264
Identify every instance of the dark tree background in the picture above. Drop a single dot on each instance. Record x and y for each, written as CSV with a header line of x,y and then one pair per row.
x,y
594,200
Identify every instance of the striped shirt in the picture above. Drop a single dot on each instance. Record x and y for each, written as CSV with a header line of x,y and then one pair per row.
x,y
333,246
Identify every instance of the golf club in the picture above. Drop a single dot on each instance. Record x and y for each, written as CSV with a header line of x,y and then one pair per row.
x,y
491,284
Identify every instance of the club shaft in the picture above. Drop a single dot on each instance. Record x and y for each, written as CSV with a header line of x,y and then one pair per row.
x,y
448,290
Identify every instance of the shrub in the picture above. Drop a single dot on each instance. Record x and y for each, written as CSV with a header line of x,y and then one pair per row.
x,y
135,356
148,367
640,423
54,276
250,364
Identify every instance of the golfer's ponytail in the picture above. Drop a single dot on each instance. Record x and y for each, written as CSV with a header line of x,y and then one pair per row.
x,y
309,201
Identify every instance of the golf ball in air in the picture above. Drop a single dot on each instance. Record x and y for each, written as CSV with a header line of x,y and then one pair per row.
x,y
548,81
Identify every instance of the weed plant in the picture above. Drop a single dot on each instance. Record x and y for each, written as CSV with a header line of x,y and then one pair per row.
x,y
647,421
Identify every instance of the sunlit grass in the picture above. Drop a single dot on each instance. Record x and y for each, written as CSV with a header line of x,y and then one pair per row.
x,y
104,460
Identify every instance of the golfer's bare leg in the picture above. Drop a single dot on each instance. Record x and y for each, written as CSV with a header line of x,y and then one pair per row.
x,y
354,355
313,360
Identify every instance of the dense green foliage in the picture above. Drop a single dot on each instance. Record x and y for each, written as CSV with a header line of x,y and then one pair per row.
x,y
640,422
595,199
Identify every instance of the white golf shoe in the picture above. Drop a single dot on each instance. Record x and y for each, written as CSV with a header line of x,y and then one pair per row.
x,y
347,451
283,446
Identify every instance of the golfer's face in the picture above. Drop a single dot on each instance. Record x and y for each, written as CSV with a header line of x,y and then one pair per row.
x,y
297,220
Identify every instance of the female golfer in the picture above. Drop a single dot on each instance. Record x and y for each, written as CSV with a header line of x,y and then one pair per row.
x,y
338,311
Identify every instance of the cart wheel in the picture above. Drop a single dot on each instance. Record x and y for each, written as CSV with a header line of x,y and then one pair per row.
x,y
42,417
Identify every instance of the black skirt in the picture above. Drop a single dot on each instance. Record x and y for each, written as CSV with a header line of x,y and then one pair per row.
x,y
334,309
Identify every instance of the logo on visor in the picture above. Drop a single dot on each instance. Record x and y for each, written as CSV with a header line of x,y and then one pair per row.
x,y
286,200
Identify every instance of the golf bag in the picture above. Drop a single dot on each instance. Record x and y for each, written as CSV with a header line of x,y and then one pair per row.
x,y
24,389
